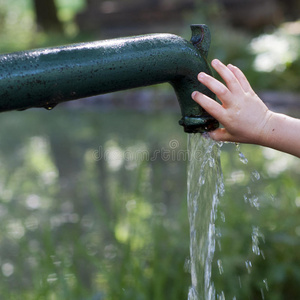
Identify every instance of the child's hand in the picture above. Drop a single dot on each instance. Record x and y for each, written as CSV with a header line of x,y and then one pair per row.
x,y
242,112
245,117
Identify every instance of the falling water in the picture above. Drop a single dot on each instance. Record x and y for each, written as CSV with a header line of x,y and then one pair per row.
x,y
205,187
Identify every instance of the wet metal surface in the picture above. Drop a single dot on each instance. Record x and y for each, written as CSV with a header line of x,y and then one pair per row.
x,y
46,77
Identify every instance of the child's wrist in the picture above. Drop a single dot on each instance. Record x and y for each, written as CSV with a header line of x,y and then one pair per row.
x,y
272,130
266,135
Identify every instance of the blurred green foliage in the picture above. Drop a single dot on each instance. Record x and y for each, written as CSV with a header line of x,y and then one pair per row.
x,y
18,30
278,47
268,203
93,206
79,221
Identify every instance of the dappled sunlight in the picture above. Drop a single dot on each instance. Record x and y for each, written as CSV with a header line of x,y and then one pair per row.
x,y
33,201
17,24
15,229
133,225
113,155
7,269
278,162
39,158
122,232
93,193
236,176
31,223
124,225
275,52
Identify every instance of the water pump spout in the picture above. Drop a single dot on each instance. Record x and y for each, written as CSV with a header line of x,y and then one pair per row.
x,y
46,77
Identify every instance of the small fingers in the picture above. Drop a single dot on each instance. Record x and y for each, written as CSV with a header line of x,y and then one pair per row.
x,y
216,87
222,135
228,76
241,78
211,106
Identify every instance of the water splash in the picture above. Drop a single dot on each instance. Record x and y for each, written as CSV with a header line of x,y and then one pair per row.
x,y
242,157
220,266
265,281
255,175
205,187
248,264
255,236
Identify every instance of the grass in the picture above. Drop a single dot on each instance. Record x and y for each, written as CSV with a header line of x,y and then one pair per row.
x,y
76,227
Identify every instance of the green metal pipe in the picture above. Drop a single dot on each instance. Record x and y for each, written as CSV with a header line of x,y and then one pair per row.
x,y
46,77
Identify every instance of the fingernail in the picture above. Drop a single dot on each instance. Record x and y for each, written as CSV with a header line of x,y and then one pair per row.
x,y
201,75
215,62
194,94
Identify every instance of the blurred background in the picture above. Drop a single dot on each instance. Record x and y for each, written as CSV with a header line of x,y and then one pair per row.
x,y
90,208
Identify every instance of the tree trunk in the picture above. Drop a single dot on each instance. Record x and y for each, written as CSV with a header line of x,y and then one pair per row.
x,y
46,16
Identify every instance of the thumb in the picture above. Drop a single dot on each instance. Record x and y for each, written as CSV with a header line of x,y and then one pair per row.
x,y
221,134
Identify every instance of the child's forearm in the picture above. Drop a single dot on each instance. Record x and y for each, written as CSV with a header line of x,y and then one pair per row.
x,y
282,133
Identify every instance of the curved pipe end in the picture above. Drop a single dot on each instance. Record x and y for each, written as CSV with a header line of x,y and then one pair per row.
x,y
199,124
201,38
194,118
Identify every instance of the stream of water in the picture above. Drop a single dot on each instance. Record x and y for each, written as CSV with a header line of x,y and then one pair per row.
x,y
205,188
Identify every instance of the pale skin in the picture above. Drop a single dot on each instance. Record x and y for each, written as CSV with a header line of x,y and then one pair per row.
x,y
246,119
